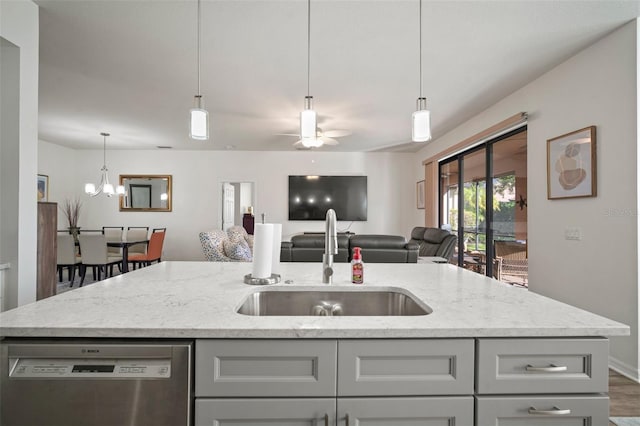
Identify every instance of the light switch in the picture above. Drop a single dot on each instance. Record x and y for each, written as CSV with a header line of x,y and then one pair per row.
x,y
572,233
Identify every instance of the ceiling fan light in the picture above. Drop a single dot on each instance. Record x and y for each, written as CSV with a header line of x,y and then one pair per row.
x,y
199,124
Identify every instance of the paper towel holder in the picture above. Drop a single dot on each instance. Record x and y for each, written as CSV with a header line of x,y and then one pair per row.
x,y
273,279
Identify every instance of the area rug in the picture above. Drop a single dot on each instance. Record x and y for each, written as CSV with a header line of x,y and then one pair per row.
x,y
626,421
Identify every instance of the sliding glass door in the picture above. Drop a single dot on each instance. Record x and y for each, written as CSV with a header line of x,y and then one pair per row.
x,y
483,201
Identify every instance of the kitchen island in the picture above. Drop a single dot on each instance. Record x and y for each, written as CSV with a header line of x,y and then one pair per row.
x,y
486,352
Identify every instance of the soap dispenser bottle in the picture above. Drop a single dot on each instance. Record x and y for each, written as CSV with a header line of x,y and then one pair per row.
x,y
357,267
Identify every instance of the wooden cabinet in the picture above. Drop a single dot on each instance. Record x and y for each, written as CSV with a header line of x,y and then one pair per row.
x,y
542,382
47,255
402,382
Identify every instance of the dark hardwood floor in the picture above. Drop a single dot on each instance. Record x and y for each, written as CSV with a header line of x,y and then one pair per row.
x,y
624,396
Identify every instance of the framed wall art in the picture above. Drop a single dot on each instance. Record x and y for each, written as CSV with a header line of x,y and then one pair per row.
x,y
571,165
43,188
420,194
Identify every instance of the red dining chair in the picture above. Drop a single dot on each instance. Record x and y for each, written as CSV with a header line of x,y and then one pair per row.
x,y
154,251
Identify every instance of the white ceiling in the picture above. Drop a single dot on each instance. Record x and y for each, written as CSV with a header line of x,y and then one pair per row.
x,y
129,67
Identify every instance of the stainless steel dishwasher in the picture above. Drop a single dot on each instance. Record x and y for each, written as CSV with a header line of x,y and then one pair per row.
x,y
98,383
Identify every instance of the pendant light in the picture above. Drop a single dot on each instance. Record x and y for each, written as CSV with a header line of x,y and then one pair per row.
x,y
105,187
308,117
199,117
421,118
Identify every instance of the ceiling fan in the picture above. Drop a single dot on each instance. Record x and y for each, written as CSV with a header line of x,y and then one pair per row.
x,y
322,138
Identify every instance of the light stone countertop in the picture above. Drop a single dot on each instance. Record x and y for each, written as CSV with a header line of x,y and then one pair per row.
x,y
199,299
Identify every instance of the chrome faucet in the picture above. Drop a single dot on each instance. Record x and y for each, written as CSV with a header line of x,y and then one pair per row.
x,y
330,246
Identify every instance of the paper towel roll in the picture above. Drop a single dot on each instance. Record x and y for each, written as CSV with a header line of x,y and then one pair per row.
x,y
262,250
275,252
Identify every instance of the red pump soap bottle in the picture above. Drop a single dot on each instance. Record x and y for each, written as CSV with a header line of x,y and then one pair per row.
x,y
357,267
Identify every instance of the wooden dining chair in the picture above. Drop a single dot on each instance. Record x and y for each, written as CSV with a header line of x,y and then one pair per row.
x,y
154,251
94,254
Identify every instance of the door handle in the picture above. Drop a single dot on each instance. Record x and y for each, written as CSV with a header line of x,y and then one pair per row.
x,y
549,369
553,412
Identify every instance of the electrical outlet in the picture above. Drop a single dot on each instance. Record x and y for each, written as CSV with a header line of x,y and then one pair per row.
x,y
574,234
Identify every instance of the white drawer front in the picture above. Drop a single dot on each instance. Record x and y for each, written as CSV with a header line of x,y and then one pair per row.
x,y
542,366
414,411
267,412
265,367
405,367
542,411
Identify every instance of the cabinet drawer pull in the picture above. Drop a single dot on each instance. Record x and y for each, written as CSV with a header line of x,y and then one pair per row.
x,y
550,369
554,412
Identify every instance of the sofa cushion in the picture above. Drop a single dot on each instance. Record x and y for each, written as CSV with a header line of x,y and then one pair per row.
x,y
389,242
317,241
417,233
435,235
434,241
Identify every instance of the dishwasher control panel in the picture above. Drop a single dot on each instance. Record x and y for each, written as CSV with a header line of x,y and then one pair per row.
x,y
30,368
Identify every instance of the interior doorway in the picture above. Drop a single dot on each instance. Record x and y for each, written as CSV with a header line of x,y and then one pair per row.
x,y
237,199
483,200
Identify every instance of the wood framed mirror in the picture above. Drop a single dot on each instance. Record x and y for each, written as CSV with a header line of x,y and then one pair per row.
x,y
146,193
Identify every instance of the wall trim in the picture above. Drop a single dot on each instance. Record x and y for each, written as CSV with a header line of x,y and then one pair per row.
x,y
624,369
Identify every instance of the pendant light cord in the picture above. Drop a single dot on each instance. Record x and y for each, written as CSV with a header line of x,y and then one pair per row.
x,y
198,44
421,48
308,45
104,150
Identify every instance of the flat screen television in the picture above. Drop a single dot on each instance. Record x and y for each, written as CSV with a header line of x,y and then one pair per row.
x,y
311,196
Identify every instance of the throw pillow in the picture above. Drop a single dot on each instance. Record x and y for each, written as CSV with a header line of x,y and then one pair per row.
x,y
237,250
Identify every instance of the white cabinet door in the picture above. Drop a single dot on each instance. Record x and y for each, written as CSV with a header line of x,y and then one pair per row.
x,y
265,412
416,411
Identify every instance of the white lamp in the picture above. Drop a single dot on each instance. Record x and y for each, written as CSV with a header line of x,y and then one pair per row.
x,y
199,117
199,123
308,117
308,120
421,118
421,129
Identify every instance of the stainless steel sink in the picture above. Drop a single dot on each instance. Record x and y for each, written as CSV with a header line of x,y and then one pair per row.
x,y
314,302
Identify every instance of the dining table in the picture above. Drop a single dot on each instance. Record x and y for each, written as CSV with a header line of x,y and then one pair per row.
x,y
124,245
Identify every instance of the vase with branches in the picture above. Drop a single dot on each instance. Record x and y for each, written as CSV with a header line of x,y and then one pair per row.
x,y
71,209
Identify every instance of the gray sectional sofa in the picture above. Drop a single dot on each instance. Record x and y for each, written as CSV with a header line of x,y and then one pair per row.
x,y
374,248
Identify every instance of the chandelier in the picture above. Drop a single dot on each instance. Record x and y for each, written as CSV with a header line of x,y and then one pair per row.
x,y
105,187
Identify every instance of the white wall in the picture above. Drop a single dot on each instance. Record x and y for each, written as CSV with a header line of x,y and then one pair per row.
x,y
600,272
58,163
19,26
197,189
